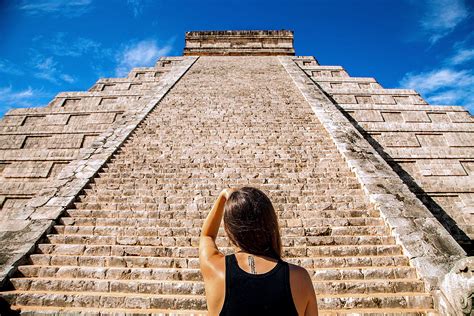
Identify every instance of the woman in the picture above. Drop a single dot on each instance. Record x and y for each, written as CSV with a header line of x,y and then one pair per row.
x,y
254,280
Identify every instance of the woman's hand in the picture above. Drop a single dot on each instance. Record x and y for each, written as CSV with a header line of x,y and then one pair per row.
x,y
227,192
210,227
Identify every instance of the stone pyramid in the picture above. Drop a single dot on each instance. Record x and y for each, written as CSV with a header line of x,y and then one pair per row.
x,y
103,192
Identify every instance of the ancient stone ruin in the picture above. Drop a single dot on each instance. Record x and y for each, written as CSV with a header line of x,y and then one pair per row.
x,y
103,192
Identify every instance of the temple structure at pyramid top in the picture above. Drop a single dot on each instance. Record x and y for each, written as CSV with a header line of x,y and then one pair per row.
x,y
103,192
239,43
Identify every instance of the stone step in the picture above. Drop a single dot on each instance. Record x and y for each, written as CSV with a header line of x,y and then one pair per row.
x,y
83,311
60,271
258,136
186,252
324,178
242,165
196,287
209,189
149,204
215,186
195,302
287,241
195,231
189,214
209,193
104,300
181,197
155,144
173,262
157,174
346,302
164,166
152,222
126,203
191,175
380,312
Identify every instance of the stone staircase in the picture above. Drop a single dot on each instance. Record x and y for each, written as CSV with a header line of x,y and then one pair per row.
x,y
129,244
37,143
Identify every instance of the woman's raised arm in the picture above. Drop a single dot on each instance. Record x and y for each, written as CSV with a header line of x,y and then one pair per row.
x,y
210,228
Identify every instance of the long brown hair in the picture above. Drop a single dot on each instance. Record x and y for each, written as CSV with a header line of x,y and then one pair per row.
x,y
251,223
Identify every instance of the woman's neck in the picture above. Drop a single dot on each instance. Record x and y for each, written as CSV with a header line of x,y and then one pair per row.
x,y
241,251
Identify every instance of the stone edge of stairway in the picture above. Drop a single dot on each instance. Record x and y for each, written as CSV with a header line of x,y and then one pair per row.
x,y
429,247
18,237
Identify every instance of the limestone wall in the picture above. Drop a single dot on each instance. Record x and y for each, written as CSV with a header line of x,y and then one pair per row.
x,y
430,147
36,143
239,43
129,242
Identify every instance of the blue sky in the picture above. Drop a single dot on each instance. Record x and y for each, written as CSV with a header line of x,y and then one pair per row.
x,y
49,46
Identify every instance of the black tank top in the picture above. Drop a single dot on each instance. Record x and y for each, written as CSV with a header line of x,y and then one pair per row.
x,y
257,294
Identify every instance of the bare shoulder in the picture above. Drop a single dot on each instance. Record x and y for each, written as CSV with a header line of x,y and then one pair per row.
x,y
298,273
302,291
213,273
300,282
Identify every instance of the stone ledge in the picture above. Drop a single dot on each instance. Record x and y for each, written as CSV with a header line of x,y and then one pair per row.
x,y
317,67
380,91
345,79
18,237
422,127
403,107
239,43
429,247
61,111
237,33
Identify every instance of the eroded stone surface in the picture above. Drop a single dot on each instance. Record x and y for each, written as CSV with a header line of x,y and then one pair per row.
x,y
430,147
131,240
239,43
431,249
229,121
23,223
459,283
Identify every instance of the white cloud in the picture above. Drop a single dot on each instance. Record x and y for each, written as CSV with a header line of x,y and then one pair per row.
x,y
9,68
24,98
445,86
434,80
462,56
136,6
446,97
60,7
68,78
442,16
144,53
25,94
60,46
48,69
451,82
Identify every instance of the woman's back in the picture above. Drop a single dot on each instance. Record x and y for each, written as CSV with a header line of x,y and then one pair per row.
x,y
254,280
266,293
